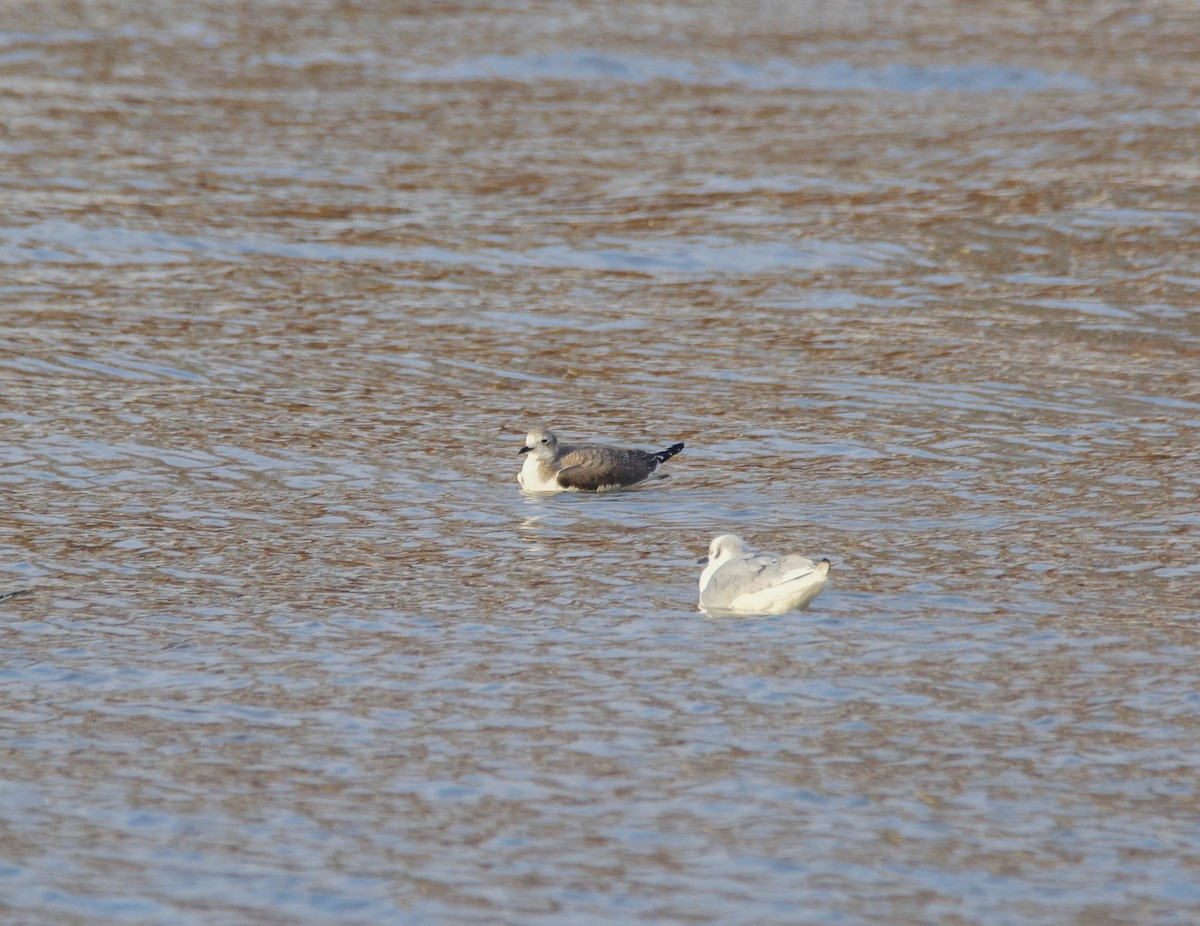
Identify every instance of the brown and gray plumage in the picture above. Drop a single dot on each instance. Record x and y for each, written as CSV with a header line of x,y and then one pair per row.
x,y
553,467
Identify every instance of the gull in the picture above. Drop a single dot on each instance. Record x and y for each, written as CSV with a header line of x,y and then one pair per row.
x,y
21,591
554,467
739,581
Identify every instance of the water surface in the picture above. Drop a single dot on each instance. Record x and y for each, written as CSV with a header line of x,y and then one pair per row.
x,y
283,288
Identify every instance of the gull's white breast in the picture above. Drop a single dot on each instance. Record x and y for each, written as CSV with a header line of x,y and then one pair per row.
x,y
536,477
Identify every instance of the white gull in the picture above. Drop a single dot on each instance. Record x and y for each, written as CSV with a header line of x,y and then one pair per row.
x,y
738,580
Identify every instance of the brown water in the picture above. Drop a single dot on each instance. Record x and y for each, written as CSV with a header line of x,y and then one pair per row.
x,y
282,288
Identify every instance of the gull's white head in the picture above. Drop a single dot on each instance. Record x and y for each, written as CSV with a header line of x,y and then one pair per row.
x,y
540,442
726,547
723,548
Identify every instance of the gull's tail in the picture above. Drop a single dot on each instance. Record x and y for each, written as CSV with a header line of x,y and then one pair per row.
x,y
21,591
663,455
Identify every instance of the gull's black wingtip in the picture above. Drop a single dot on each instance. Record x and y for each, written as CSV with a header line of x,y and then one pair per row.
x,y
664,455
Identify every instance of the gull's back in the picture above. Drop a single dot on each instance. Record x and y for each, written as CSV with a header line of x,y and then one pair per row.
x,y
765,583
591,467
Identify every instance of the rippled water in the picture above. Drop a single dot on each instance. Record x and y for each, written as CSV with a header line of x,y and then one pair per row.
x,y
283,286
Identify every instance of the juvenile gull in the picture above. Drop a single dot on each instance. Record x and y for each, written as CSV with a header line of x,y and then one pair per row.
x,y
554,467
739,581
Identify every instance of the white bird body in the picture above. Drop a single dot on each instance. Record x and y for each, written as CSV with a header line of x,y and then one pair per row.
x,y
553,467
738,580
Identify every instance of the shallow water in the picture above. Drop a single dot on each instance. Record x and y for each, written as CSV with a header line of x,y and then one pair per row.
x,y
283,287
